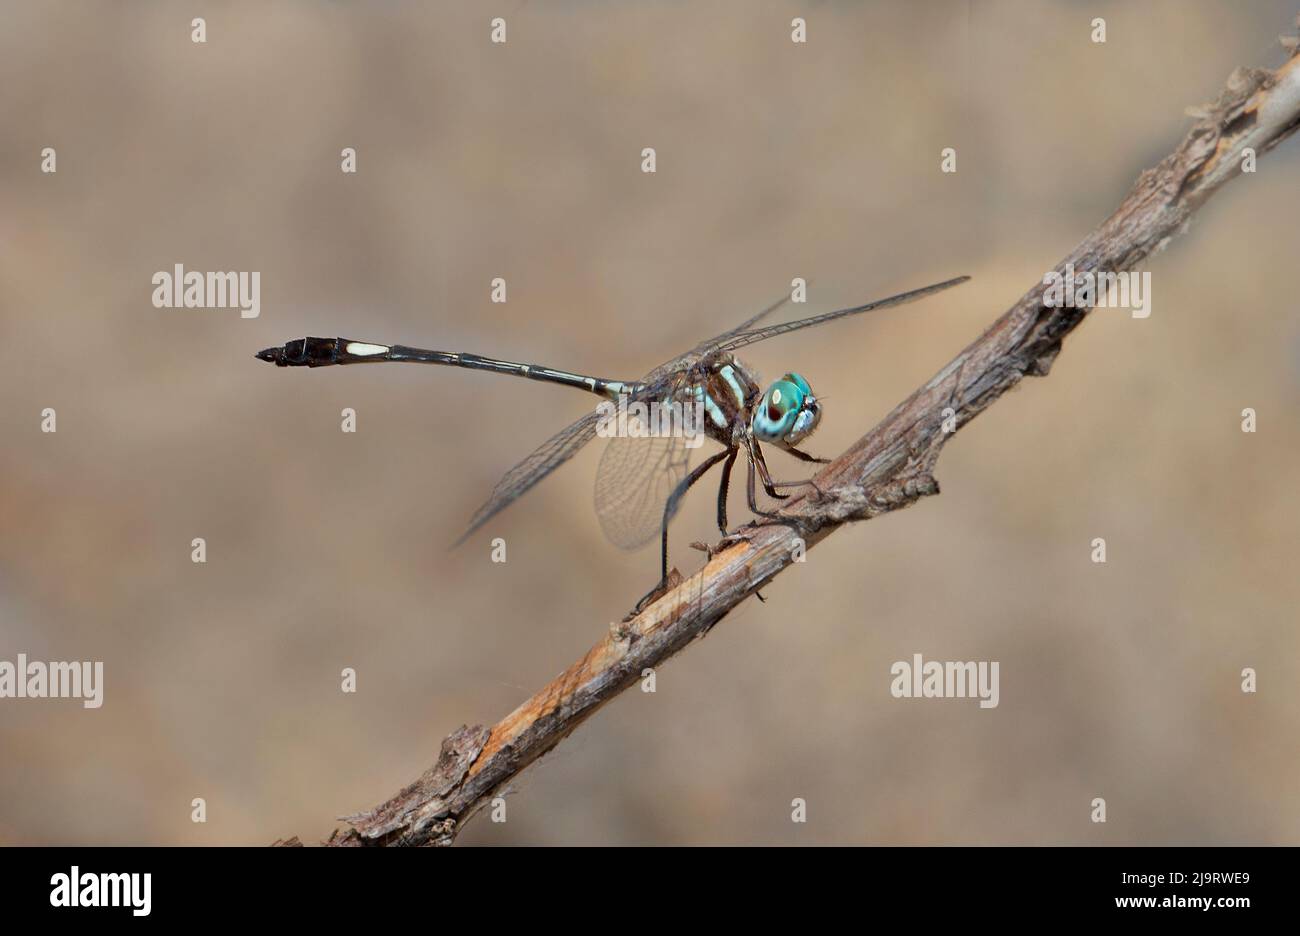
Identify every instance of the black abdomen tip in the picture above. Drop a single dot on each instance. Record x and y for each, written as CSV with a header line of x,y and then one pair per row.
x,y
303,352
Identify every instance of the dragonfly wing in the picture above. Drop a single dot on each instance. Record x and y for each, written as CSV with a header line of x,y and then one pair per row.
x,y
634,480
747,323
665,372
550,455
740,339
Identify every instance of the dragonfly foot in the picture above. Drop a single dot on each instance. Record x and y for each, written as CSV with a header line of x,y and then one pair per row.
x,y
820,494
667,584
730,539
793,523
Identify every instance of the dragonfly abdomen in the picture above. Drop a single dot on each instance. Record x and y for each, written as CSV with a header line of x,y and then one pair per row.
x,y
324,352
597,385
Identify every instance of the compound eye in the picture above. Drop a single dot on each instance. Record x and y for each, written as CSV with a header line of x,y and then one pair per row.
x,y
798,381
776,415
777,406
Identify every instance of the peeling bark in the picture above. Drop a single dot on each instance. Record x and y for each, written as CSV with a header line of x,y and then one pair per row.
x,y
889,468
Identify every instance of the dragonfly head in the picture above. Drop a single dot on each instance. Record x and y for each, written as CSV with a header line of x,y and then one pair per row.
x,y
788,412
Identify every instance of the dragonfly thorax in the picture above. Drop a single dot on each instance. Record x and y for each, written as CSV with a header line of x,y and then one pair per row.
x,y
729,392
735,405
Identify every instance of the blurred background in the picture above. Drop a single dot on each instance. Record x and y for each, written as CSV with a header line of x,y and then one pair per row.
x,y
329,550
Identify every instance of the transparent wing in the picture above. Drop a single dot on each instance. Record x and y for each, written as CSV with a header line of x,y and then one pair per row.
x,y
732,341
667,371
747,323
633,482
637,475
550,455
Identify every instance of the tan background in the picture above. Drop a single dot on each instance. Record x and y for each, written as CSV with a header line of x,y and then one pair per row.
x,y
329,550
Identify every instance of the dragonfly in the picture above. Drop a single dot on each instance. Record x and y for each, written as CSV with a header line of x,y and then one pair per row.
x,y
643,474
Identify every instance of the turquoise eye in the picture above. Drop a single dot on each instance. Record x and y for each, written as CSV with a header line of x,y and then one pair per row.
x,y
776,413
798,381
787,413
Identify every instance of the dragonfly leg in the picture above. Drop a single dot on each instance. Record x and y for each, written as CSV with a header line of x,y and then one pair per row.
x,y
669,509
804,456
756,466
722,490
752,492
769,485
679,492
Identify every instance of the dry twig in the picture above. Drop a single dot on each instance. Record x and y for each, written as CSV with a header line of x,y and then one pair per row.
x,y
890,467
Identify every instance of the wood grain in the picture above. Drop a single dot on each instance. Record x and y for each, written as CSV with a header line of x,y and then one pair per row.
x,y
889,468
